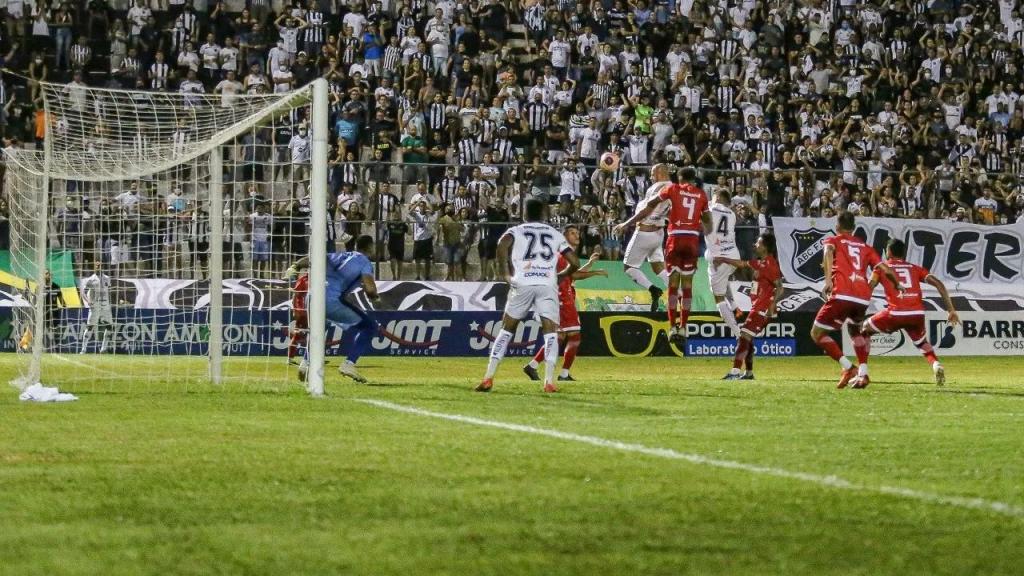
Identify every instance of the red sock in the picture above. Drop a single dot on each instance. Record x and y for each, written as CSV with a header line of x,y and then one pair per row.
x,y
571,346
862,346
685,314
928,351
750,358
741,352
539,356
293,344
673,305
830,347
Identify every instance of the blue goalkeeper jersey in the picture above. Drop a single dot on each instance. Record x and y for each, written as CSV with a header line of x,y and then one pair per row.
x,y
345,271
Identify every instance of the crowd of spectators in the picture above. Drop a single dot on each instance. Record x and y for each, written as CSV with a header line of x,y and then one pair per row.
x,y
446,114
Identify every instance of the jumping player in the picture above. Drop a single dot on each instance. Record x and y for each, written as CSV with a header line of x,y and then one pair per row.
x,y
721,249
767,291
347,272
569,317
905,310
688,217
96,293
533,247
847,293
647,242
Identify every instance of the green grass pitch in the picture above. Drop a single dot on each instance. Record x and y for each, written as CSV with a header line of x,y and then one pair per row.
x,y
163,474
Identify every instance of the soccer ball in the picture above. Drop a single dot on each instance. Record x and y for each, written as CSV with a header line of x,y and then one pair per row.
x,y
609,162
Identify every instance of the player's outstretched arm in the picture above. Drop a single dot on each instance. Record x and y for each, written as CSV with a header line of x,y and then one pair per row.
x,y
827,263
585,272
953,317
738,264
885,269
501,258
643,213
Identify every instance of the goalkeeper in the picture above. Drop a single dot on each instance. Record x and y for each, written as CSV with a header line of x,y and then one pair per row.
x,y
346,273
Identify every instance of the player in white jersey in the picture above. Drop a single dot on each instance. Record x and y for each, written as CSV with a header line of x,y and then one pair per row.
x,y
533,248
721,243
96,294
647,242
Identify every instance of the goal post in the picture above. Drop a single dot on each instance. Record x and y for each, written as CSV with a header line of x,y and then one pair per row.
x,y
152,212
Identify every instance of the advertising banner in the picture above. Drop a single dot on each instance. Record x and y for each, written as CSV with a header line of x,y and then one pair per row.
x,y
979,334
265,333
983,266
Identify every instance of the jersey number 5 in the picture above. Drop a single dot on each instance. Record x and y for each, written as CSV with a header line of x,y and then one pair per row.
x,y
854,252
545,242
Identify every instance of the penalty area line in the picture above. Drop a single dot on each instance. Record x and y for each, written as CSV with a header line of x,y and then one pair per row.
x,y
830,481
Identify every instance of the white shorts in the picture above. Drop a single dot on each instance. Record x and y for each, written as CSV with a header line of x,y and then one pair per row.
x,y
719,277
542,300
100,315
644,246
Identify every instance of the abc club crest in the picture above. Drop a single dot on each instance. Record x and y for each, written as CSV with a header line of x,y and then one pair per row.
x,y
809,253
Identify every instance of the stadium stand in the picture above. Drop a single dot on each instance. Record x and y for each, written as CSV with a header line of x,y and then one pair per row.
x,y
447,115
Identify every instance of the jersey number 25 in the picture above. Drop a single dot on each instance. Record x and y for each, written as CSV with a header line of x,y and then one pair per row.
x,y
545,242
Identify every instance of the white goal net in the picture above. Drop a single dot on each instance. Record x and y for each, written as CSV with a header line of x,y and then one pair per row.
x,y
150,234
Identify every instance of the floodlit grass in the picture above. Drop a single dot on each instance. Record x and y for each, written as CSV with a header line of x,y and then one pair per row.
x,y
163,474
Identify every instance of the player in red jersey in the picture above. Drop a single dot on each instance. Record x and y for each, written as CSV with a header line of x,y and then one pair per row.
x,y
905,310
847,293
301,323
689,216
767,291
569,317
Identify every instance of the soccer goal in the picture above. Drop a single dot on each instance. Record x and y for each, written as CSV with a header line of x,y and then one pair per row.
x,y
150,235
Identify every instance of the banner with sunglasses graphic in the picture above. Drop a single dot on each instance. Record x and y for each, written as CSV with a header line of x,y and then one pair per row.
x,y
636,335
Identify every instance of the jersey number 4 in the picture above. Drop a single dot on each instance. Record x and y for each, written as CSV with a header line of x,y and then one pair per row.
x,y
547,251
723,226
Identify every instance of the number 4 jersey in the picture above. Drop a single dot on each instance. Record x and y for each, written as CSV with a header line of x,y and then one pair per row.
x,y
535,250
851,263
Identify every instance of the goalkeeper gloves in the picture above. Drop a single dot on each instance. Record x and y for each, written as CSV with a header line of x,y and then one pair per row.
x,y
291,273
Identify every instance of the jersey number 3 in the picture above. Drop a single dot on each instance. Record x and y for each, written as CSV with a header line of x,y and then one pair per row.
x,y
531,248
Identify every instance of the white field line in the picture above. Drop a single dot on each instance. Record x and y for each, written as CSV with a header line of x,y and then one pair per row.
x,y
830,481
64,358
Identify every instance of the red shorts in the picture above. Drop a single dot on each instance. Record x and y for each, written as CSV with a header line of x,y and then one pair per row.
x,y
755,322
568,317
887,323
836,312
682,252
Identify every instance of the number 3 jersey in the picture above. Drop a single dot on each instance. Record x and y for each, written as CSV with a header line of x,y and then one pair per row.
x,y
850,268
535,250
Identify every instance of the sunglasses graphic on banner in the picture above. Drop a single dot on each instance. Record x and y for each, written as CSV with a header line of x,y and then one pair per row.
x,y
636,336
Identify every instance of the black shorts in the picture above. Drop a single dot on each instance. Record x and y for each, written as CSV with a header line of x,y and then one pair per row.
x,y
490,249
423,249
200,250
396,250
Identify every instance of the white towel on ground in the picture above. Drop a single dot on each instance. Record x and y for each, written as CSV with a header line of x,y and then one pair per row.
x,y
39,393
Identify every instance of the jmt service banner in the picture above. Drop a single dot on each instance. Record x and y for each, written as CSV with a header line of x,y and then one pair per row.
x,y
955,252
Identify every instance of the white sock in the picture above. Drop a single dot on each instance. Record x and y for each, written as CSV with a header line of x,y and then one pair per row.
x,y
106,340
845,363
565,373
85,339
734,371
639,277
664,276
725,310
550,357
498,352
936,365
862,370
533,364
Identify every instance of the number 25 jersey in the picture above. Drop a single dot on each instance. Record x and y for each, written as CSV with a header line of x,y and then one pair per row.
x,y
535,250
